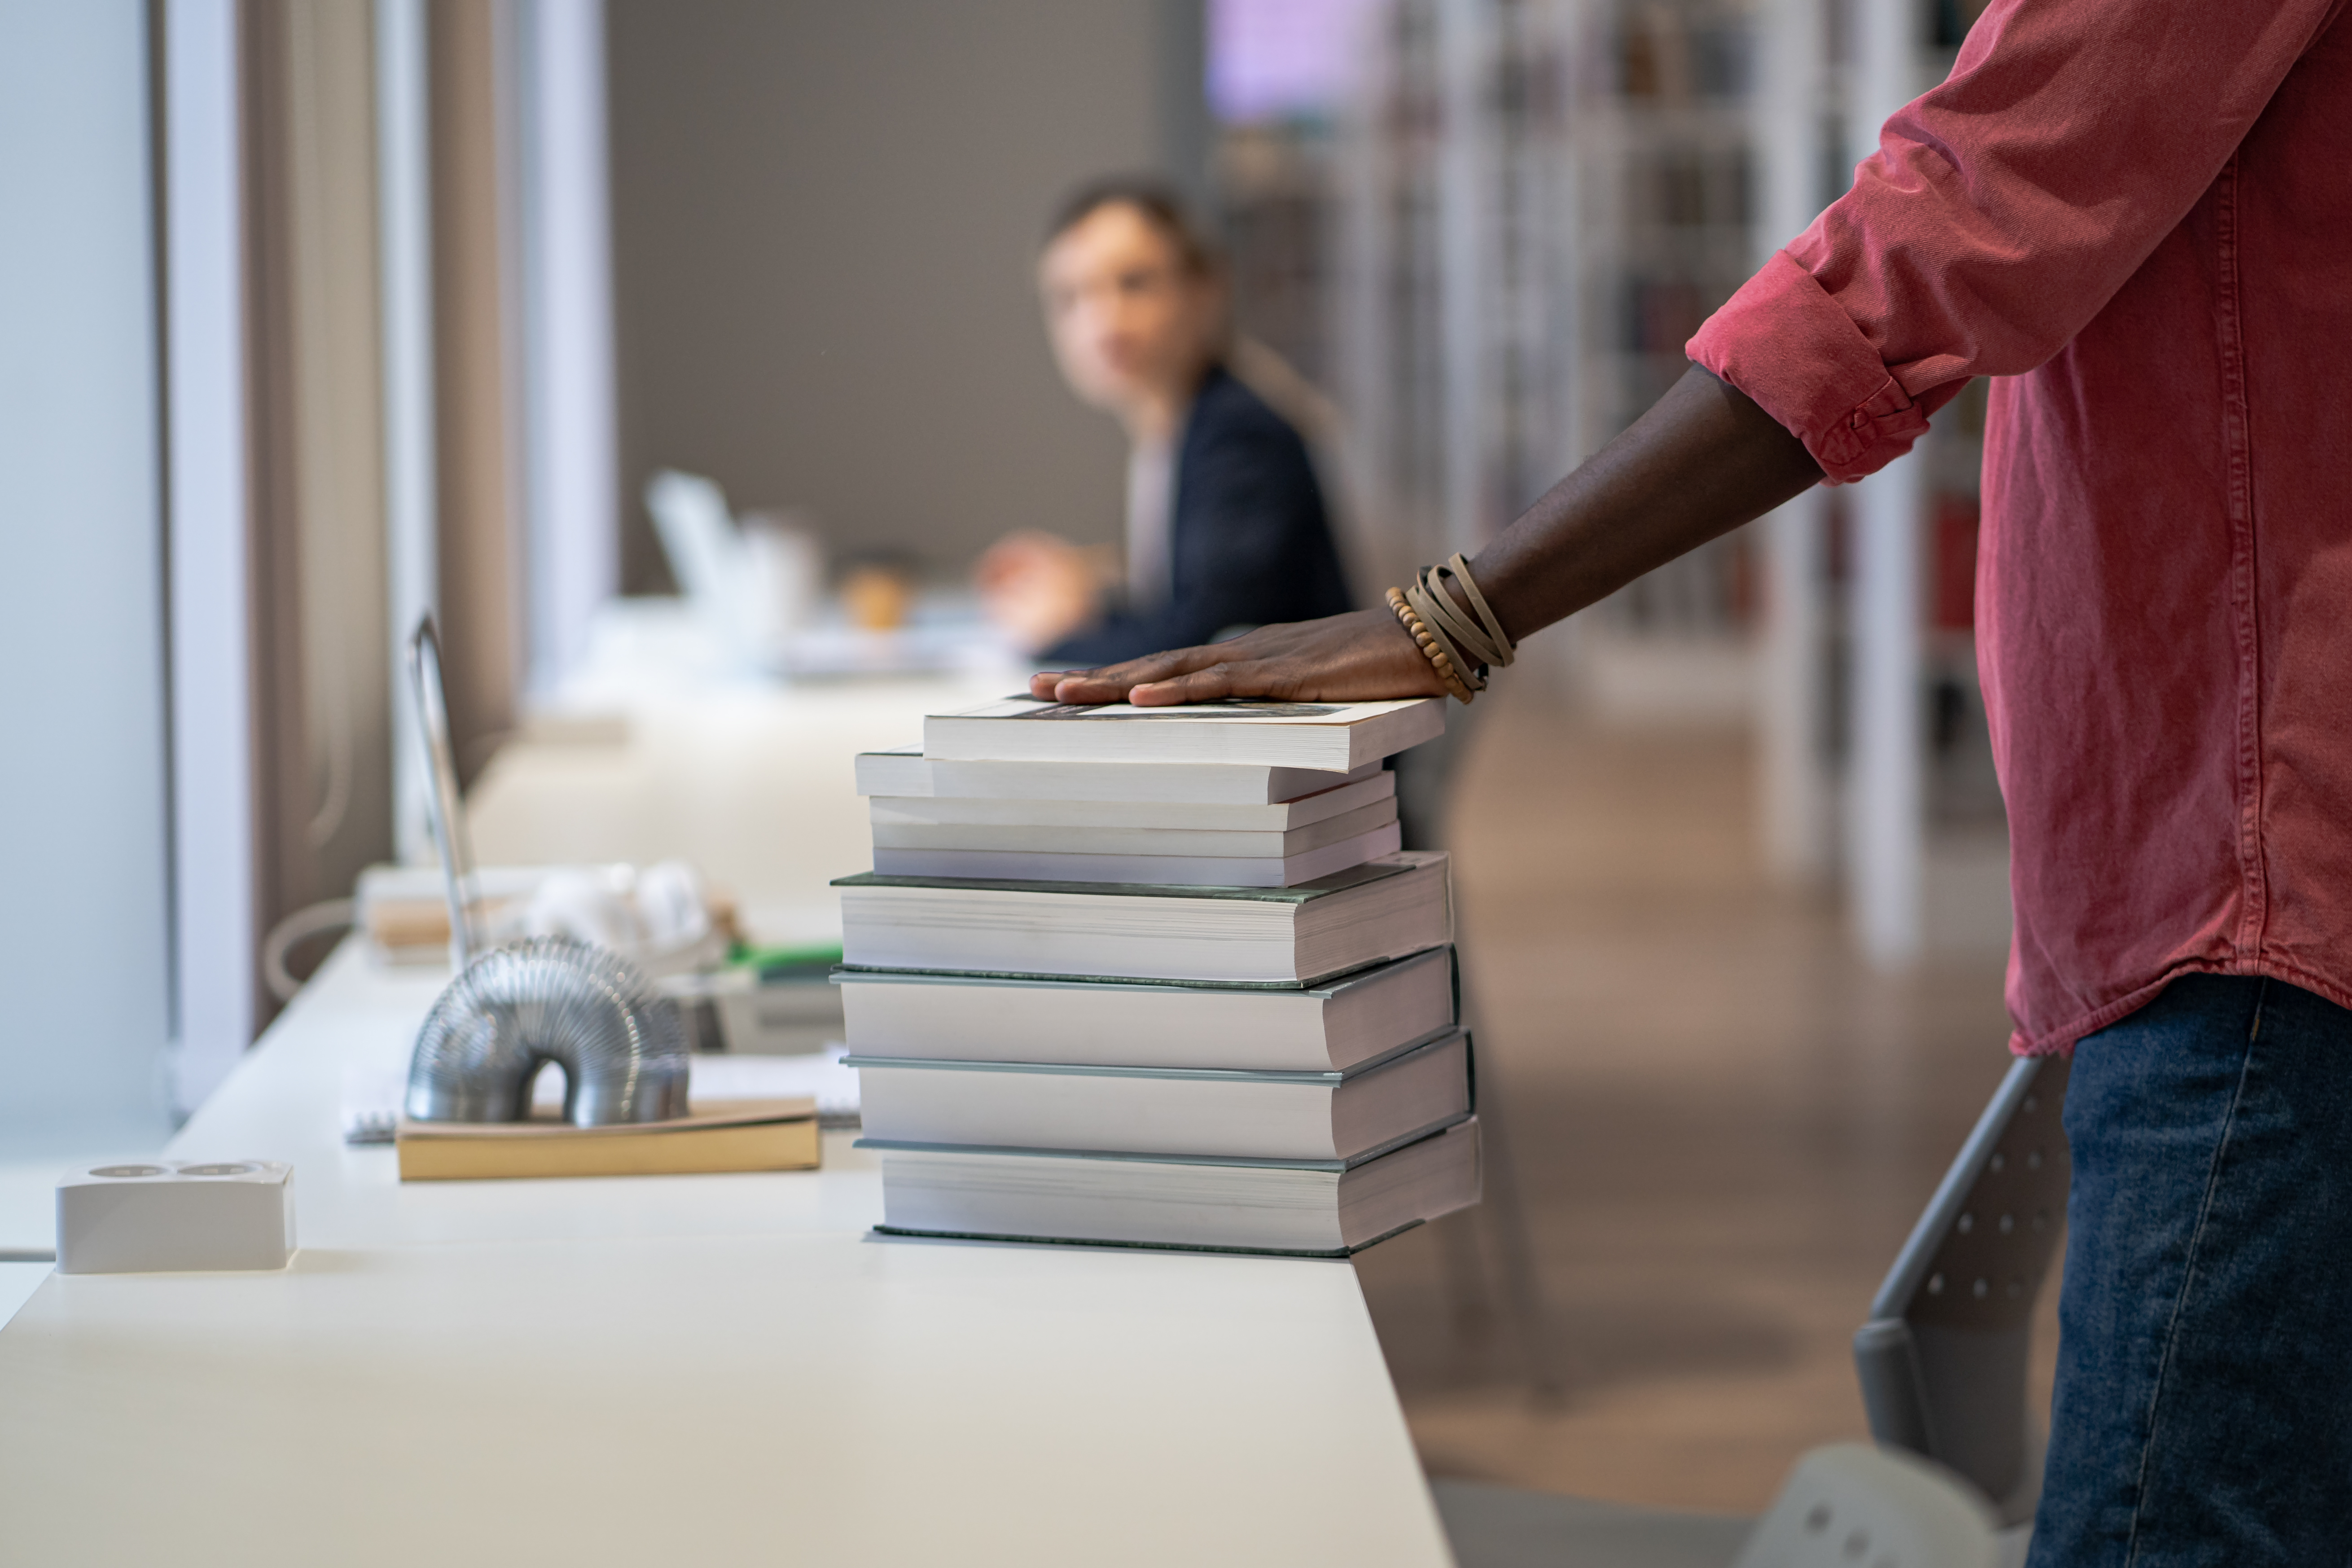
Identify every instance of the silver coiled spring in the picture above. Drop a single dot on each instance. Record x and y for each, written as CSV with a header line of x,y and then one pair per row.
x,y
550,999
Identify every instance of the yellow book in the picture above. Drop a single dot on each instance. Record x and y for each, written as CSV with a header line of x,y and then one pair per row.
x,y
728,1135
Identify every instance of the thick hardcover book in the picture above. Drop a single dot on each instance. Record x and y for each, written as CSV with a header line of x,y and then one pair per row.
x,y
1219,817
1293,1208
907,773
1381,910
1170,862
747,1135
1079,837
1337,737
1169,1111
1355,1018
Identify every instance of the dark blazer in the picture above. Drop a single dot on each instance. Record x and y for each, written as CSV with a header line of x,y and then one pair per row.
x,y
1248,539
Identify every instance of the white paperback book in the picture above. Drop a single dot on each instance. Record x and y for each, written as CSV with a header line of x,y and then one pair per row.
x,y
1383,909
1099,1023
1311,1208
907,773
1287,816
1104,839
1172,865
1337,737
1169,1111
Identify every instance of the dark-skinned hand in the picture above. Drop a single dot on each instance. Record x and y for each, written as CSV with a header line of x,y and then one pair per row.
x,y
1360,657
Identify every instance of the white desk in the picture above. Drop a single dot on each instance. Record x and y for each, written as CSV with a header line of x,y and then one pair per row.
x,y
750,780
688,1370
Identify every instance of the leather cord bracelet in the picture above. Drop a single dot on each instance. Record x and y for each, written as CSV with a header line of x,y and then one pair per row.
x,y
1461,646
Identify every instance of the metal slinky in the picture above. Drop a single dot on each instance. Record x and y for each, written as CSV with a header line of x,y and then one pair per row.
x,y
550,999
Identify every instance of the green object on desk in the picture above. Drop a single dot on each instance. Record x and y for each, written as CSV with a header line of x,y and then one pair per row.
x,y
786,962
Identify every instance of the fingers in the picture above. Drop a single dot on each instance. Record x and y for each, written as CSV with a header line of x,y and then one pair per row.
x,y
1353,658
1111,685
1112,682
1236,678
1049,685
1211,685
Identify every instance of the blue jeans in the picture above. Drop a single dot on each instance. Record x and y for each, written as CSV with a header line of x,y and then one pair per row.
x,y
2204,1402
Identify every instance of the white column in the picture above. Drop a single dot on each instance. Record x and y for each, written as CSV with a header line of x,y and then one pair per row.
x,y
1361,317
1795,794
1465,209
212,731
405,239
1887,822
571,553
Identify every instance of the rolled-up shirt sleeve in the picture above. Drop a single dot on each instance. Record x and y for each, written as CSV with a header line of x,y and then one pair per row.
x,y
2001,212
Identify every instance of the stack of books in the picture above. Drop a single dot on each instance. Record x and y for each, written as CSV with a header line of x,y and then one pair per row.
x,y
1156,977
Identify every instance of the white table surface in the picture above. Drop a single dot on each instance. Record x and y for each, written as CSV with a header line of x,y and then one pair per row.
x,y
751,781
690,1370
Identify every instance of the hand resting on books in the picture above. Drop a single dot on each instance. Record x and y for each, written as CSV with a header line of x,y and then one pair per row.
x,y
1363,655
1703,460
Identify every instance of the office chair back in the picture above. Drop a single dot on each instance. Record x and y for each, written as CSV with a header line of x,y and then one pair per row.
x,y
1943,1359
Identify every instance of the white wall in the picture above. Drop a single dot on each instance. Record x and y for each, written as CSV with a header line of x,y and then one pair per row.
x,y
826,222
85,961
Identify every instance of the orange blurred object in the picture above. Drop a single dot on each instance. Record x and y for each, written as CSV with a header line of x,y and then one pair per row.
x,y
878,597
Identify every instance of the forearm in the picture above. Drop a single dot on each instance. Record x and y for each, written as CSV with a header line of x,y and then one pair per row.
x,y
1702,461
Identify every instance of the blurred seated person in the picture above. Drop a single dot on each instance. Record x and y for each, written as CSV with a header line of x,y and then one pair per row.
x,y
1225,523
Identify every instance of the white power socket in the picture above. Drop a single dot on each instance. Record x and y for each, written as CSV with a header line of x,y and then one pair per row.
x,y
155,1216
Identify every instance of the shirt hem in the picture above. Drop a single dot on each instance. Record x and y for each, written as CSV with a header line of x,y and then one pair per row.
x,y
2062,1039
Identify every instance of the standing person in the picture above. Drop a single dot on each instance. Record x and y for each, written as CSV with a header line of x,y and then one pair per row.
x,y
1225,522
2137,215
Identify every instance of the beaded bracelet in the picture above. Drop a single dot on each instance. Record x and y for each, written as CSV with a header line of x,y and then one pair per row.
x,y
1461,646
1419,631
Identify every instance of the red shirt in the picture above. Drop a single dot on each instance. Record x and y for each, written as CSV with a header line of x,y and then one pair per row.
x,y
2137,214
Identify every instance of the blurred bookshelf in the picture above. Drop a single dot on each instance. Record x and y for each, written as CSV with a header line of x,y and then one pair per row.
x,y
1490,250
1529,207
1666,236
1275,203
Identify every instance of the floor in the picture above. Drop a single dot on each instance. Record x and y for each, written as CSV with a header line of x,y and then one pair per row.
x,y
1723,1122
